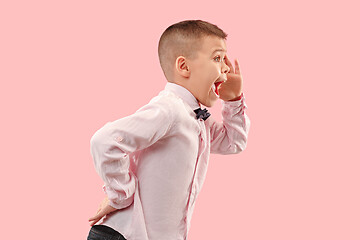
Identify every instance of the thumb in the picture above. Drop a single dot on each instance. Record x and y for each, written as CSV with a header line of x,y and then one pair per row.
x,y
98,215
93,218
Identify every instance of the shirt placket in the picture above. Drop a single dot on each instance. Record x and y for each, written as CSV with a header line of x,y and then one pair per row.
x,y
202,139
193,193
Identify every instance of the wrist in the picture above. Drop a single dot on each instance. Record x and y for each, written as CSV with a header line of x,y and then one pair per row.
x,y
236,98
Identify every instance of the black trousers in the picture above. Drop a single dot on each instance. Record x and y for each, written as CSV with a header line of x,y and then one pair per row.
x,y
102,232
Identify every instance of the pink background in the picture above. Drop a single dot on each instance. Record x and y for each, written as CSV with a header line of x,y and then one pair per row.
x,y
68,67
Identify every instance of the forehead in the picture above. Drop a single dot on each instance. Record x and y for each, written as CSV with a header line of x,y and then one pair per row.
x,y
212,45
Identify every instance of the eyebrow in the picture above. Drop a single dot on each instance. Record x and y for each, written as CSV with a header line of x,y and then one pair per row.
x,y
218,50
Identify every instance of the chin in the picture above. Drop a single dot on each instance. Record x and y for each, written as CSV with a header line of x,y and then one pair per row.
x,y
209,103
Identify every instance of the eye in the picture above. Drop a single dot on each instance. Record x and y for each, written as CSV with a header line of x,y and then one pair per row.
x,y
218,57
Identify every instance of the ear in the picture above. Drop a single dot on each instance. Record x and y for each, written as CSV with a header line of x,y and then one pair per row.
x,y
181,67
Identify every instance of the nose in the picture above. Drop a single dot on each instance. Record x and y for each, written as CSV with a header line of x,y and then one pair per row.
x,y
225,68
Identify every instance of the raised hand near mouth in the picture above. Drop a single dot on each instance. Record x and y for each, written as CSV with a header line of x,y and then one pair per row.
x,y
231,89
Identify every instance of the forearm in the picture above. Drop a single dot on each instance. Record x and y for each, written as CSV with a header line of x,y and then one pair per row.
x,y
113,166
230,136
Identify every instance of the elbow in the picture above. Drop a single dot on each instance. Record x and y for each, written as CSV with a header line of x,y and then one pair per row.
x,y
99,143
240,142
95,142
238,147
95,145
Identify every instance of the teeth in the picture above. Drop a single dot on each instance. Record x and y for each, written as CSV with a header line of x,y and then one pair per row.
x,y
213,87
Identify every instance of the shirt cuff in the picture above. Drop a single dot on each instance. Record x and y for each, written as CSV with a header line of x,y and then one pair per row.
x,y
116,202
236,106
120,204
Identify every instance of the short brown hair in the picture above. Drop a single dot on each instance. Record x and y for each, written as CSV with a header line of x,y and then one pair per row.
x,y
184,39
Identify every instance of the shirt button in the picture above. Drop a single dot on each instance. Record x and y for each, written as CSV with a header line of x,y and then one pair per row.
x,y
119,139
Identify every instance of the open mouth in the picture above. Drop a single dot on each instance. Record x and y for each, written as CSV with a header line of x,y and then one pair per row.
x,y
215,87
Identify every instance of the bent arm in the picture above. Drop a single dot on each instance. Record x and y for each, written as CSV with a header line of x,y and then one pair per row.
x,y
112,144
230,136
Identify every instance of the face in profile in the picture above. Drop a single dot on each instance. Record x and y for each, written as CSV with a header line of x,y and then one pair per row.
x,y
208,70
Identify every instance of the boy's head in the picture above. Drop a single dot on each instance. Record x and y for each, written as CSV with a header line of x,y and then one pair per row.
x,y
188,57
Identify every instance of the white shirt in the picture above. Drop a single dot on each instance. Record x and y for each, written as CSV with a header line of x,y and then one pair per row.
x,y
154,162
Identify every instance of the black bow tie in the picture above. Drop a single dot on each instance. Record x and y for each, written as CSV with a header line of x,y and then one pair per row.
x,y
202,113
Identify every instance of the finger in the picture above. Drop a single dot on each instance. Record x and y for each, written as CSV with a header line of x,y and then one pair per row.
x,y
93,218
95,221
237,67
227,62
98,215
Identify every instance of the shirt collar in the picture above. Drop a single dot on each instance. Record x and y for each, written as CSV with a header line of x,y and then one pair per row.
x,y
183,93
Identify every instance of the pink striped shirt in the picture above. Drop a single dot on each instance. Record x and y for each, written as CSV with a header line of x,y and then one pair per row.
x,y
154,162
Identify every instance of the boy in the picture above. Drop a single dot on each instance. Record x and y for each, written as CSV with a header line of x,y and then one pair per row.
x,y
154,162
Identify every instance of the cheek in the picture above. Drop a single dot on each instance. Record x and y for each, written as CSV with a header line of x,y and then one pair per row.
x,y
215,70
206,76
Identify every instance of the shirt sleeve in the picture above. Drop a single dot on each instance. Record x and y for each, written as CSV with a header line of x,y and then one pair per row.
x,y
230,136
111,145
